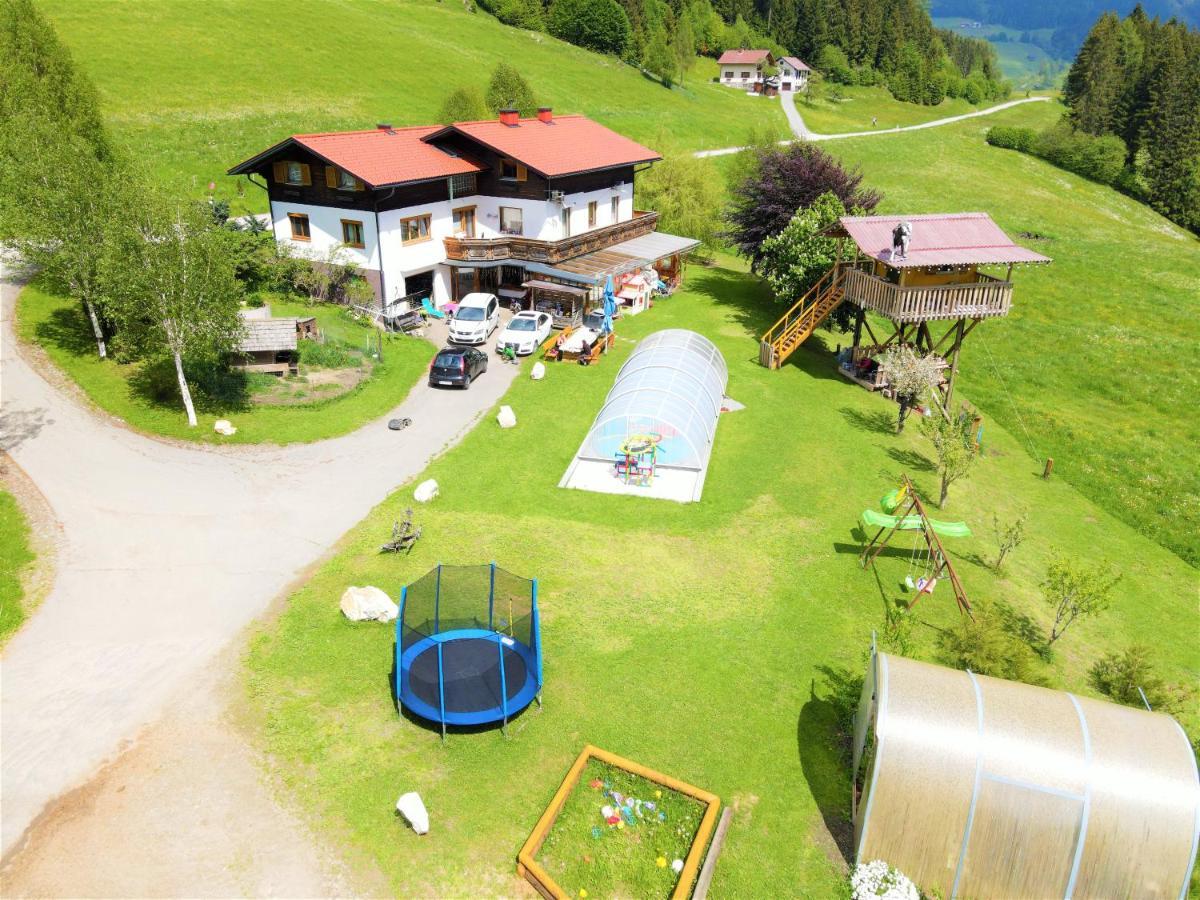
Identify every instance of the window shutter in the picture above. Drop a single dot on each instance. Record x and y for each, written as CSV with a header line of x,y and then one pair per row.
x,y
358,185
280,173
331,177
305,174
522,172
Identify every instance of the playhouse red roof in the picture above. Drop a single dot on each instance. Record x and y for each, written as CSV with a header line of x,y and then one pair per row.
x,y
380,157
564,145
742,57
957,239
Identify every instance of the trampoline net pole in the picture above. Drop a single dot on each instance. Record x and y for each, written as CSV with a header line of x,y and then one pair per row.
x,y
535,636
491,596
437,602
400,646
503,682
441,691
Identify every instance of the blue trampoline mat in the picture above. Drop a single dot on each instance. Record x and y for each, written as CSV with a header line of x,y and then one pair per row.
x,y
471,689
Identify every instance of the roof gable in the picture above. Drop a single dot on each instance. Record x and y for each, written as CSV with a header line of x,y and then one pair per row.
x,y
956,239
743,57
379,157
565,145
796,63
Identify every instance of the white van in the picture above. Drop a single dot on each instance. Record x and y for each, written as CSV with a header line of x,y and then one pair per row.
x,y
476,318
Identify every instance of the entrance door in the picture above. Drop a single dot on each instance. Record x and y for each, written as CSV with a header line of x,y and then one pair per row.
x,y
464,282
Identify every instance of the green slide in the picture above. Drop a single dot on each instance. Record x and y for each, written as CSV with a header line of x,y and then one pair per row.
x,y
913,523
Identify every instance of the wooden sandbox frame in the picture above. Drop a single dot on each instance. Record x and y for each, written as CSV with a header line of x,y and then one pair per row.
x,y
529,868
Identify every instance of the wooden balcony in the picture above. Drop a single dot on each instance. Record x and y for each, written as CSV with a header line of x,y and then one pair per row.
x,y
983,298
549,252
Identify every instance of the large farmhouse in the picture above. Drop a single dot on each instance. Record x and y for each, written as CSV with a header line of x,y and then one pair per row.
x,y
505,205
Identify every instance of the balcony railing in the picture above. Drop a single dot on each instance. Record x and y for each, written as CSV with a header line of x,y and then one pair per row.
x,y
549,252
986,297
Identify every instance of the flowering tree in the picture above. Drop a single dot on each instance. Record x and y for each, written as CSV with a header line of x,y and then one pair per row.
x,y
910,376
876,880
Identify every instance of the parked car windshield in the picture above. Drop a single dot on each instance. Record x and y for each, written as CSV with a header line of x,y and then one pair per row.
x,y
522,324
449,360
469,314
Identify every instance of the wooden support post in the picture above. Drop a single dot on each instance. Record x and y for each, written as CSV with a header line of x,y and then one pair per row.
x,y
714,852
954,351
1049,467
859,317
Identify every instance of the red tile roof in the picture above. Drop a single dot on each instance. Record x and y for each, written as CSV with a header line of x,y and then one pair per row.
x,y
796,63
566,145
958,239
742,57
380,158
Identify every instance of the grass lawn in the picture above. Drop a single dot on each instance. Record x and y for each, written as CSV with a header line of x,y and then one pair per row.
x,y
703,640
1098,364
15,557
858,104
217,81
59,327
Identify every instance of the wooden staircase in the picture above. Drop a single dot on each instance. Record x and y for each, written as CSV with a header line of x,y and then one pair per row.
x,y
782,338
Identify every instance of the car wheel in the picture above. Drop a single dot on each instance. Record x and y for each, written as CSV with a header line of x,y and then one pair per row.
x,y
484,369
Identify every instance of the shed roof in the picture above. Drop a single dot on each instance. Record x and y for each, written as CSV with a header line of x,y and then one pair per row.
x,y
954,239
981,787
268,334
743,57
796,63
564,145
380,157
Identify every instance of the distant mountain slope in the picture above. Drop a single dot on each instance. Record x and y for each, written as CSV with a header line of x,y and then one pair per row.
x,y
1069,22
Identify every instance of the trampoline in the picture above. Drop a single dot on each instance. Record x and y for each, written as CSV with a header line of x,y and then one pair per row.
x,y
467,646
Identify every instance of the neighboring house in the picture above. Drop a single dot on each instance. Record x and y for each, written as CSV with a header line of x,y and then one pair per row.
x,y
440,211
793,74
743,68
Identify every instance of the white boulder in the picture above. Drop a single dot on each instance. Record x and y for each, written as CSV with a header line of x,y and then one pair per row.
x,y
366,604
426,491
411,807
506,417
225,427
538,372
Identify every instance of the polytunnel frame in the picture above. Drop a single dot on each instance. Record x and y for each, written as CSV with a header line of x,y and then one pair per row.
x,y
876,738
691,390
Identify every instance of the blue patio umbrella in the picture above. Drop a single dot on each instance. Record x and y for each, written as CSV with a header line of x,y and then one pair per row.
x,y
610,304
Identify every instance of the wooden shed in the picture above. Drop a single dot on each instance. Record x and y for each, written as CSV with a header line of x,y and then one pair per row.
x,y
269,346
978,787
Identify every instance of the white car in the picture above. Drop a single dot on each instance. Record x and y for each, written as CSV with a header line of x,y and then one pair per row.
x,y
525,332
476,318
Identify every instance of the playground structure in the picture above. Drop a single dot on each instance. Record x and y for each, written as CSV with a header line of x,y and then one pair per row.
x,y
653,437
935,562
468,646
928,275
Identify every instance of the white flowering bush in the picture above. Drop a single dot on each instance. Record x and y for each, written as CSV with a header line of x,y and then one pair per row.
x,y
875,879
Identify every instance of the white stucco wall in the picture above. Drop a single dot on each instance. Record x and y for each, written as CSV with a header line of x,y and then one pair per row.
x,y
540,220
733,75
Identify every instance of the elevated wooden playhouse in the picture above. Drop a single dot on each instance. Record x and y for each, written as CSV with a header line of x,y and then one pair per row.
x,y
936,280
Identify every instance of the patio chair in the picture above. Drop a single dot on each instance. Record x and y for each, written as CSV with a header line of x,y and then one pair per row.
x,y
430,309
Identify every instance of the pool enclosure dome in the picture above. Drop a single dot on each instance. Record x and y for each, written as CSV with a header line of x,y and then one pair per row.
x,y
979,787
468,645
667,395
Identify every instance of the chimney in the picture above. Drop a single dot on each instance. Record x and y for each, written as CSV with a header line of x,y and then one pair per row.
x,y
510,117
545,114
383,126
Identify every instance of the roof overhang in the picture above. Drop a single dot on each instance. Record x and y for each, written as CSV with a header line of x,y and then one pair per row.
x,y
454,129
871,234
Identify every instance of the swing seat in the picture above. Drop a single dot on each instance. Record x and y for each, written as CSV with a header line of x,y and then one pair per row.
x,y
908,583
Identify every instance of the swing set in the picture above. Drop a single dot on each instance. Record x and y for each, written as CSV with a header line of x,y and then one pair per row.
x,y
928,554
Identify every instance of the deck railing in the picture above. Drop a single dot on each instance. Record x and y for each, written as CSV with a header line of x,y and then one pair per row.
x,y
987,297
550,252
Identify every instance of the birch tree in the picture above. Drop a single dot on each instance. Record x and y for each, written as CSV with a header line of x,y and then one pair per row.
x,y
173,287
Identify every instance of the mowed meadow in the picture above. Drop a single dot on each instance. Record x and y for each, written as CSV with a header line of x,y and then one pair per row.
x,y
1097,365
196,86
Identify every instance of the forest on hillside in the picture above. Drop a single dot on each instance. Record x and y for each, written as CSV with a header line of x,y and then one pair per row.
x,y
873,42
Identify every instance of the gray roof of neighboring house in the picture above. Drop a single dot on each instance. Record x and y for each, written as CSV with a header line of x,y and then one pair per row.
x,y
268,334
796,63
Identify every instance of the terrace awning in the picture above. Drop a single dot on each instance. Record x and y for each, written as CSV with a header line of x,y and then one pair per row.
x,y
554,286
626,256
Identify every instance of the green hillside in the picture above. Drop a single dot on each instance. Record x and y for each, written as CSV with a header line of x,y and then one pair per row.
x,y
1097,366
199,85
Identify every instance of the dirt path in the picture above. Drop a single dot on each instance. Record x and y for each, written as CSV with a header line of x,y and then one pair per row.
x,y
168,552
796,121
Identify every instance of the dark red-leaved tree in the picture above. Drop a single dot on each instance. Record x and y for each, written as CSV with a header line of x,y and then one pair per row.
x,y
784,180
